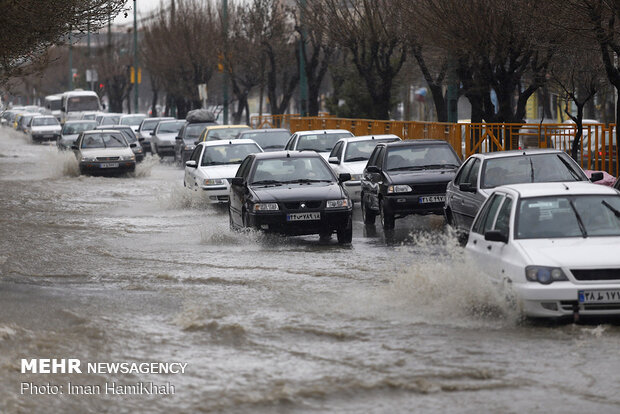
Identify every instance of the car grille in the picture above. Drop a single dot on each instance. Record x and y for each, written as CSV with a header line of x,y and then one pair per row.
x,y
596,274
296,205
429,188
107,158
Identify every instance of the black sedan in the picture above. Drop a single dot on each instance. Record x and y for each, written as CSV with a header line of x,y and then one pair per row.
x,y
409,177
292,193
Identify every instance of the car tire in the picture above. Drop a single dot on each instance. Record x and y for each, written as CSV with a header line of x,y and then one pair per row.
x,y
387,219
345,235
367,214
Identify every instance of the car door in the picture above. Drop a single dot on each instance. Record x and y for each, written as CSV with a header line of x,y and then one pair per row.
x,y
237,192
190,172
496,216
454,196
471,201
372,180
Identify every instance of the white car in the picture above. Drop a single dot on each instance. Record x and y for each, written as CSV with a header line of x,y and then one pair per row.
x,y
555,244
102,152
321,140
213,164
350,155
43,128
71,130
133,120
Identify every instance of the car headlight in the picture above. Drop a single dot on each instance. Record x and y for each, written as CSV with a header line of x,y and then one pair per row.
x,y
356,177
214,181
189,147
338,203
401,188
127,157
266,207
89,159
544,274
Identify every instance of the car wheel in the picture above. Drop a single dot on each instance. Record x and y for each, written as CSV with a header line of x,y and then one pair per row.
x,y
367,214
387,220
345,235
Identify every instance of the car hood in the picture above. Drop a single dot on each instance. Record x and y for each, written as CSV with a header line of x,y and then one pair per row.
x,y
106,152
220,171
356,167
421,177
297,192
591,252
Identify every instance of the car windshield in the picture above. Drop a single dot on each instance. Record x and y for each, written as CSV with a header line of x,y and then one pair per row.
x,y
54,104
268,140
44,121
110,120
104,140
568,216
361,150
193,131
170,127
227,154
149,125
320,142
128,134
419,156
89,116
82,103
224,133
291,170
132,120
539,168
76,128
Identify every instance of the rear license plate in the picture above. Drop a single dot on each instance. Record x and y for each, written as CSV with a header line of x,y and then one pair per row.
x,y
109,165
48,136
432,199
599,296
303,216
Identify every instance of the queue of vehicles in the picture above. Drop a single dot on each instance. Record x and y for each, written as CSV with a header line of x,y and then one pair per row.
x,y
532,219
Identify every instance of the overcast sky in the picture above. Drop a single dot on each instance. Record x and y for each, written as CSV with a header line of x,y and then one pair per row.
x,y
145,8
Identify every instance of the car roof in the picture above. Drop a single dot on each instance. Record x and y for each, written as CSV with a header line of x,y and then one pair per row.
x,y
44,116
369,137
409,142
556,189
251,131
323,131
115,127
99,131
210,127
288,154
516,153
132,115
227,142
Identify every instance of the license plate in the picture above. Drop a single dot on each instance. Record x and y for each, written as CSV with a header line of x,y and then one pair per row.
x,y
432,199
109,165
599,296
303,216
48,136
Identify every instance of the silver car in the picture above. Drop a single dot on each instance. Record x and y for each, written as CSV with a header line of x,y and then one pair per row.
x,y
43,128
71,130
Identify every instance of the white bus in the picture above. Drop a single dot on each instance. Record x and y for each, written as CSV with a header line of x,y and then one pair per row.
x,y
77,101
53,103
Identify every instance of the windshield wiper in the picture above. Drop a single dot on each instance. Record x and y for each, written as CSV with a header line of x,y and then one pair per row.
x,y
411,167
570,169
273,146
532,170
356,159
441,166
305,181
582,227
267,182
612,208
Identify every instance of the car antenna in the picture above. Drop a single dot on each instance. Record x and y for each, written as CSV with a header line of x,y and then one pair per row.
x,y
565,186
230,142
373,137
288,154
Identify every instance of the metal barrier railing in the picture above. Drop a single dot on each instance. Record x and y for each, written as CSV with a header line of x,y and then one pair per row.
x,y
598,149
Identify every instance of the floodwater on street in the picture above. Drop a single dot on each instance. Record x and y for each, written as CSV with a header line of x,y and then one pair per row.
x,y
135,269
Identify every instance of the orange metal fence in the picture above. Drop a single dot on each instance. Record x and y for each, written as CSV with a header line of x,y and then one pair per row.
x,y
598,150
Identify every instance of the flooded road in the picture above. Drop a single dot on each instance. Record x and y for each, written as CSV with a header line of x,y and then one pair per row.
x,y
133,269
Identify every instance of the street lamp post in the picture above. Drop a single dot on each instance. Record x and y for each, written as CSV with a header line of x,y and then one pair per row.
x,y
135,56
303,79
225,29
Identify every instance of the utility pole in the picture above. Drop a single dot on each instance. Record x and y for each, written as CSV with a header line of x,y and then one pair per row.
x,y
225,28
70,62
303,79
135,57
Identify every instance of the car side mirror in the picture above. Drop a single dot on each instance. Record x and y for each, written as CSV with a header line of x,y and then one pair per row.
x,y
74,147
344,177
191,164
133,145
467,187
373,169
596,176
141,139
152,133
496,236
237,181
178,138
333,160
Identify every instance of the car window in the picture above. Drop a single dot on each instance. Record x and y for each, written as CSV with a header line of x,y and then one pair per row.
x,y
291,169
472,175
502,224
421,156
196,154
461,177
291,142
487,214
244,168
321,142
337,150
104,140
228,154
361,150
268,140
379,161
373,157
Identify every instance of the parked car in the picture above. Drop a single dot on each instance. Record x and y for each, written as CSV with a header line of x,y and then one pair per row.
x,y
43,128
130,137
291,193
480,173
269,139
132,120
144,131
102,152
408,177
350,155
218,132
554,244
164,135
71,130
185,141
321,141
213,165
